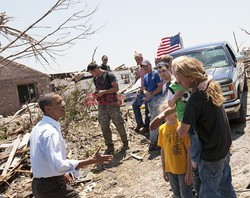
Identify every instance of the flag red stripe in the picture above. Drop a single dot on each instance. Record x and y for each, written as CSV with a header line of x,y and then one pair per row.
x,y
163,47
166,50
165,42
159,55
165,39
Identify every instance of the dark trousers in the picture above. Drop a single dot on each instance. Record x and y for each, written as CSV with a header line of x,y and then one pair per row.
x,y
52,187
179,188
137,111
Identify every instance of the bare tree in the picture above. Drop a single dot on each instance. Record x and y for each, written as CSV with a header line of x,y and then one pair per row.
x,y
245,31
245,39
55,40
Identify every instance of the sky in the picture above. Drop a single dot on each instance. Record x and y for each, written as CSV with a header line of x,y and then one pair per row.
x,y
136,25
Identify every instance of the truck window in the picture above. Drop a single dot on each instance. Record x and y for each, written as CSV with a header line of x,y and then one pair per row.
x,y
211,58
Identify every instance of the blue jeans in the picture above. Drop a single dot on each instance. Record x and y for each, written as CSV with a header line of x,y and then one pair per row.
x,y
195,145
153,107
179,188
216,179
137,111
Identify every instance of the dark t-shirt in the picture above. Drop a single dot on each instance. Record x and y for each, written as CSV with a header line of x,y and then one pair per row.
x,y
105,67
211,125
103,82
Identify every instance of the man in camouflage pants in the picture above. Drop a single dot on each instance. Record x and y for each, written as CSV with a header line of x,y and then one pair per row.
x,y
108,106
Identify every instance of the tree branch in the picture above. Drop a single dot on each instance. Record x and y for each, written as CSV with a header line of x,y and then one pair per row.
x,y
45,47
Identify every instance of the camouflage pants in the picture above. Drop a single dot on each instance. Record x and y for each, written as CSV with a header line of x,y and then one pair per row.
x,y
107,112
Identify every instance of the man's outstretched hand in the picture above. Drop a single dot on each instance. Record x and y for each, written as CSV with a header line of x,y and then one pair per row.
x,y
102,159
96,159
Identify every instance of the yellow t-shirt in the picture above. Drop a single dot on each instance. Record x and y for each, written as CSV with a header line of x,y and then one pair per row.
x,y
174,148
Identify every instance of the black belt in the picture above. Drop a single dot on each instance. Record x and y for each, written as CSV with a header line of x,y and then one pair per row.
x,y
51,178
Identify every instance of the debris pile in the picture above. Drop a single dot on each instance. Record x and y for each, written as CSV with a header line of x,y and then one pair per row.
x,y
247,69
14,150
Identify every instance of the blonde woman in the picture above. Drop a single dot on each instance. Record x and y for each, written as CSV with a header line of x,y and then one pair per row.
x,y
205,111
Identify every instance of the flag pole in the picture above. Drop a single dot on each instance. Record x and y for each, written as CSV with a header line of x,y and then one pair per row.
x,y
154,52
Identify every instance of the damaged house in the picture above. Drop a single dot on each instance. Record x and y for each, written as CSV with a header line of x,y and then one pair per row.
x,y
20,84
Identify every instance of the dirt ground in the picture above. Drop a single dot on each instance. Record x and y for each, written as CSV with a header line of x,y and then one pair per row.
x,y
129,177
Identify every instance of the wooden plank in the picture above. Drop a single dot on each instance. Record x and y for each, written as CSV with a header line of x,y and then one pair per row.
x,y
15,161
4,146
24,171
24,141
11,171
6,155
12,154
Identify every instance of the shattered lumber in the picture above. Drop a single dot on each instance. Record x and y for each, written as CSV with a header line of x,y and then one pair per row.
x,y
17,153
11,172
12,154
14,164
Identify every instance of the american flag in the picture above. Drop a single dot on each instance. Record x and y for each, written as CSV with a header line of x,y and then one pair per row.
x,y
168,45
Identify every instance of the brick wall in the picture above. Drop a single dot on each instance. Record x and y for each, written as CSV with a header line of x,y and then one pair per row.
x,y
9,99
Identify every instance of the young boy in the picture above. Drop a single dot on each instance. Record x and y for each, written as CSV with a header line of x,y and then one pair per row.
x,y
178,96
175,156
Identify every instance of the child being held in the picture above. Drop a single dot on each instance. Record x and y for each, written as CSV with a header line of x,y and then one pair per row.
x,y
178,97
175,157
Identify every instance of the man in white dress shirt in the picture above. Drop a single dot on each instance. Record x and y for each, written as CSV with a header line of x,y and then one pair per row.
x,y
48,153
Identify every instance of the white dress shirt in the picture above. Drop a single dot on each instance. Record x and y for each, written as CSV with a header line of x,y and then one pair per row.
x,y
48,151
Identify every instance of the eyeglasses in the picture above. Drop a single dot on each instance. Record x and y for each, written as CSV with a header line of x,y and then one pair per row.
x,y
162,71
144,65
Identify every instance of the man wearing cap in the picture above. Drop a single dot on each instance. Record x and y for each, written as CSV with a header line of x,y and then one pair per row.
x,y
104,65
153,87
108,106
139,99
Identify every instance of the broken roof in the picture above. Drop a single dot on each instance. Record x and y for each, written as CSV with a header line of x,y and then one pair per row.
x,y
11,69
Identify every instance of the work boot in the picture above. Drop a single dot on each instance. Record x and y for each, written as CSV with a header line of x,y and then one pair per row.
x,y
138,127
109,150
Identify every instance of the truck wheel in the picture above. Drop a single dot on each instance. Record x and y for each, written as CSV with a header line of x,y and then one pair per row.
x,y
242,114
245,88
